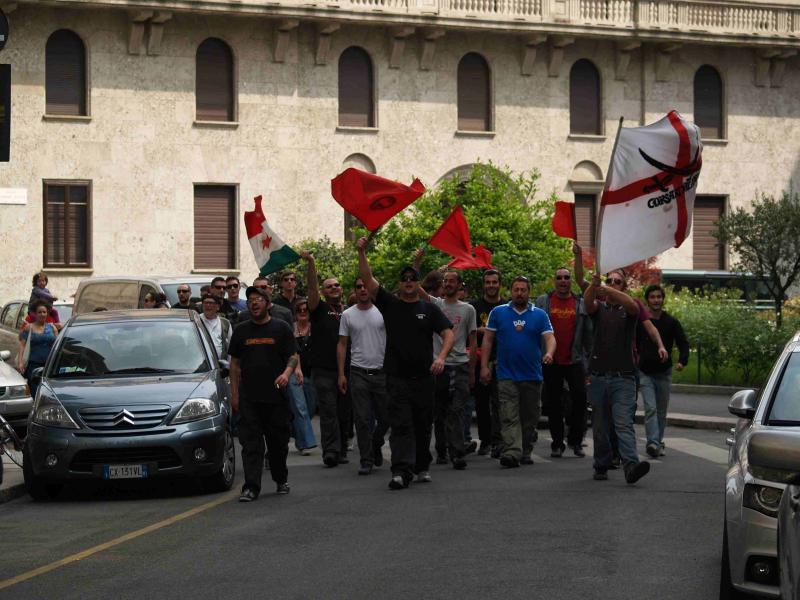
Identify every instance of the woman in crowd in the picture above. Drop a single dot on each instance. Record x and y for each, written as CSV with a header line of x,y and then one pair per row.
x,y
303,401
35,342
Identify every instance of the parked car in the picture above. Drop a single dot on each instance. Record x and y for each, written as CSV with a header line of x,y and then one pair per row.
x,y
753,490
122,293
12,318
15,395
133,394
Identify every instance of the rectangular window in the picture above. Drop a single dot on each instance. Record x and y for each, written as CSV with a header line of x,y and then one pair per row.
x,y
67,230
215,227
586,219
707,254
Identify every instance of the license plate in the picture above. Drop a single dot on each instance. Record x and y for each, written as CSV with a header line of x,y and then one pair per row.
x,y
125,471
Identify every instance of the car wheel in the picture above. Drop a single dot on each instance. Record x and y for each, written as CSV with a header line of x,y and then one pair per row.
x,y
222,481
726,589
37,488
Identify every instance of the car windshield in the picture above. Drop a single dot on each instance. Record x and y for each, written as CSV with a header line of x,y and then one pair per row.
x,y
64,311
171,291
785,409
129,348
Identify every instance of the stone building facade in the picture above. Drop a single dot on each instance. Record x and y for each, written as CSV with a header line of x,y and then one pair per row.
x,y
141,152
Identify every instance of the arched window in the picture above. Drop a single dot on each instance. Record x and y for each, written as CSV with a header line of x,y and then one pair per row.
x,y
474,94
584,99
708,102
356,99
65,74
214,96
364,163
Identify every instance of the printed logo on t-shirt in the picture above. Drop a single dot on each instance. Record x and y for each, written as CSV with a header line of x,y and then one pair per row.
x,y
519,324
259,341
561,313
421,316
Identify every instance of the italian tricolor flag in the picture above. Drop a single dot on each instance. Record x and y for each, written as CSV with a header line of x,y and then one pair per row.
x,y
269,250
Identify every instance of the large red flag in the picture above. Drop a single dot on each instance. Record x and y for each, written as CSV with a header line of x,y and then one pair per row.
x,y
453,236
564,220
371,199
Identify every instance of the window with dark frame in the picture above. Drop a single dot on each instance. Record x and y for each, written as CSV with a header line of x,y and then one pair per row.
x,y
215,227
214,82
67,227
708,96
356,96
584,99
65,74
474,93
707,253
586,219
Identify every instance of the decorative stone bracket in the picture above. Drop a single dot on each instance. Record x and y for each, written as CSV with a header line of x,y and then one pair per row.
x,y
146,30
283,31
398,43
556,57
324,34
664,59
622,58
429,48
771,66
530,46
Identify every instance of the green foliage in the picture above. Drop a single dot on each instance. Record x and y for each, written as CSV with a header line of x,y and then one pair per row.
x,y
766,242
503,214
333,260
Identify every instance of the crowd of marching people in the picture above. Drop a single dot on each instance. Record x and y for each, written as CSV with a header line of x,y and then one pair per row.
x,y
413,359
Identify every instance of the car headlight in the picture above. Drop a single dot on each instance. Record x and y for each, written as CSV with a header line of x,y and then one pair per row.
x,y
17,391
763,498
48,411
194,409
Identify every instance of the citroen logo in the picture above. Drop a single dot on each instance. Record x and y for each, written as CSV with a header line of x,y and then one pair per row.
x,y
122,418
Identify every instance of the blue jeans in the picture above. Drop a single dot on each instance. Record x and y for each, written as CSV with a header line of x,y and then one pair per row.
x,y
655,397
302,404
613,405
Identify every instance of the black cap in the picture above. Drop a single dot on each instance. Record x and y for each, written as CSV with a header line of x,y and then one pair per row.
x,y
409,269
254,290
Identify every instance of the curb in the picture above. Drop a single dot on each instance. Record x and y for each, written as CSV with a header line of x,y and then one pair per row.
x,y
7,494
714,390
695,421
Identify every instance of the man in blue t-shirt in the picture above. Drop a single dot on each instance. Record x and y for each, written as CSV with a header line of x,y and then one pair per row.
x,y
519,329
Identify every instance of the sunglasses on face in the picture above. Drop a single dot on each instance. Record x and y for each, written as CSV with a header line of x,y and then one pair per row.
x,y
232,286
614,281
263,287
183,291
360,286
406,278
302,310
219,287
562,277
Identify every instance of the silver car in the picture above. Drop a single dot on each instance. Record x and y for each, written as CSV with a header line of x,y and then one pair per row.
x,y
12,318
15,395
753,489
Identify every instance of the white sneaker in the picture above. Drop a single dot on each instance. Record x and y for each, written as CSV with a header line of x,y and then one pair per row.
x,y
424,477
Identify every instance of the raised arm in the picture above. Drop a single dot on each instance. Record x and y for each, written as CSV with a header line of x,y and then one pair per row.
x,y
590,295
364,270
311,280
577,253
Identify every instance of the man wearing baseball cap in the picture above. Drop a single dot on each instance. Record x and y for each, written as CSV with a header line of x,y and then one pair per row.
x,y
263,356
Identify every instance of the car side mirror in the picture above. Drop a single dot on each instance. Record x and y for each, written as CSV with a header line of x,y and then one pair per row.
x,y
774,455
743,404
36,375
224,367
5,354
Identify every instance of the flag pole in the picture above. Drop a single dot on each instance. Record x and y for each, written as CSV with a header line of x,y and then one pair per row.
x,y
599,229
372,235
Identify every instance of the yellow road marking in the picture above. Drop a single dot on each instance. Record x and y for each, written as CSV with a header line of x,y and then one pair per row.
x,y
6,583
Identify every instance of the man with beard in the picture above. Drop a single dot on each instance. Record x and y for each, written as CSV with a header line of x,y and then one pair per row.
x,y
410,367
486,407
520,330
333,410
263,356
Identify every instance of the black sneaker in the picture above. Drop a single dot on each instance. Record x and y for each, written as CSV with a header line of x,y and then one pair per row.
x,y
365,469
484,449
459,464
283,488
248,495
526,460
441,459
397,482
496,452
557,452
600,476
508,462
578,451
634,473
330,460
470,447
343,460
377,457
653,450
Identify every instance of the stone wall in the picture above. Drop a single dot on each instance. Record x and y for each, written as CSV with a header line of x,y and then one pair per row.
x,y
143,152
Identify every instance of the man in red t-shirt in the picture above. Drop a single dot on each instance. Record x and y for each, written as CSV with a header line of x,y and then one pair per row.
x,y
572,328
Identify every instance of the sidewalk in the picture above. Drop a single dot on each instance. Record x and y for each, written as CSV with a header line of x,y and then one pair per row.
x,y
697,410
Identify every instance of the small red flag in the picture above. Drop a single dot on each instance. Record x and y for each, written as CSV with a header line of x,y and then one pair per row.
x,y
564,220
483,257
371,199
452,237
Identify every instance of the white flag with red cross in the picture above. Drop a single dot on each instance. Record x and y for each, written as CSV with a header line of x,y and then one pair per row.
x,y
649,194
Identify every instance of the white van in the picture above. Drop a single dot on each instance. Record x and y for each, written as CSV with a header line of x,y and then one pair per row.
x,y
122,293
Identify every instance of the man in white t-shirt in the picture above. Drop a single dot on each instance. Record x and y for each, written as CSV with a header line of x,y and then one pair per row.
x,y
219,328
362,325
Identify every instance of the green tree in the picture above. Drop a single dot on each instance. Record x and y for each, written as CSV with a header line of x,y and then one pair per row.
x,y
503,214
333,260
766,243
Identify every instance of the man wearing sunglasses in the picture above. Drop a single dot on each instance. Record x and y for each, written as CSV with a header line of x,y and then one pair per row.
x,y
612,368
325,311
288,293
232,285
185,298
410,368
226,310
572,330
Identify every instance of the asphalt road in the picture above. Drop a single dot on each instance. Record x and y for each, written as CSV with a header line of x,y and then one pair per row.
x,y
546,531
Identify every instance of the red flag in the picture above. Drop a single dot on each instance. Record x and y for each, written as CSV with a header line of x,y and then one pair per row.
x,y
453,236
483,257
371,199
564,220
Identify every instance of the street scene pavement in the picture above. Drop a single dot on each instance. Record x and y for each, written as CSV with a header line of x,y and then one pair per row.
x,y
543,531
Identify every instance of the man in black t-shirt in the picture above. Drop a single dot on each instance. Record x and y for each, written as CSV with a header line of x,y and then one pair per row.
x,y
263,356
409,364
487,407
334,410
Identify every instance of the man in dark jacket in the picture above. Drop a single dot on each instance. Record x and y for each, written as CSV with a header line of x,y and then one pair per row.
x,y
655,375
